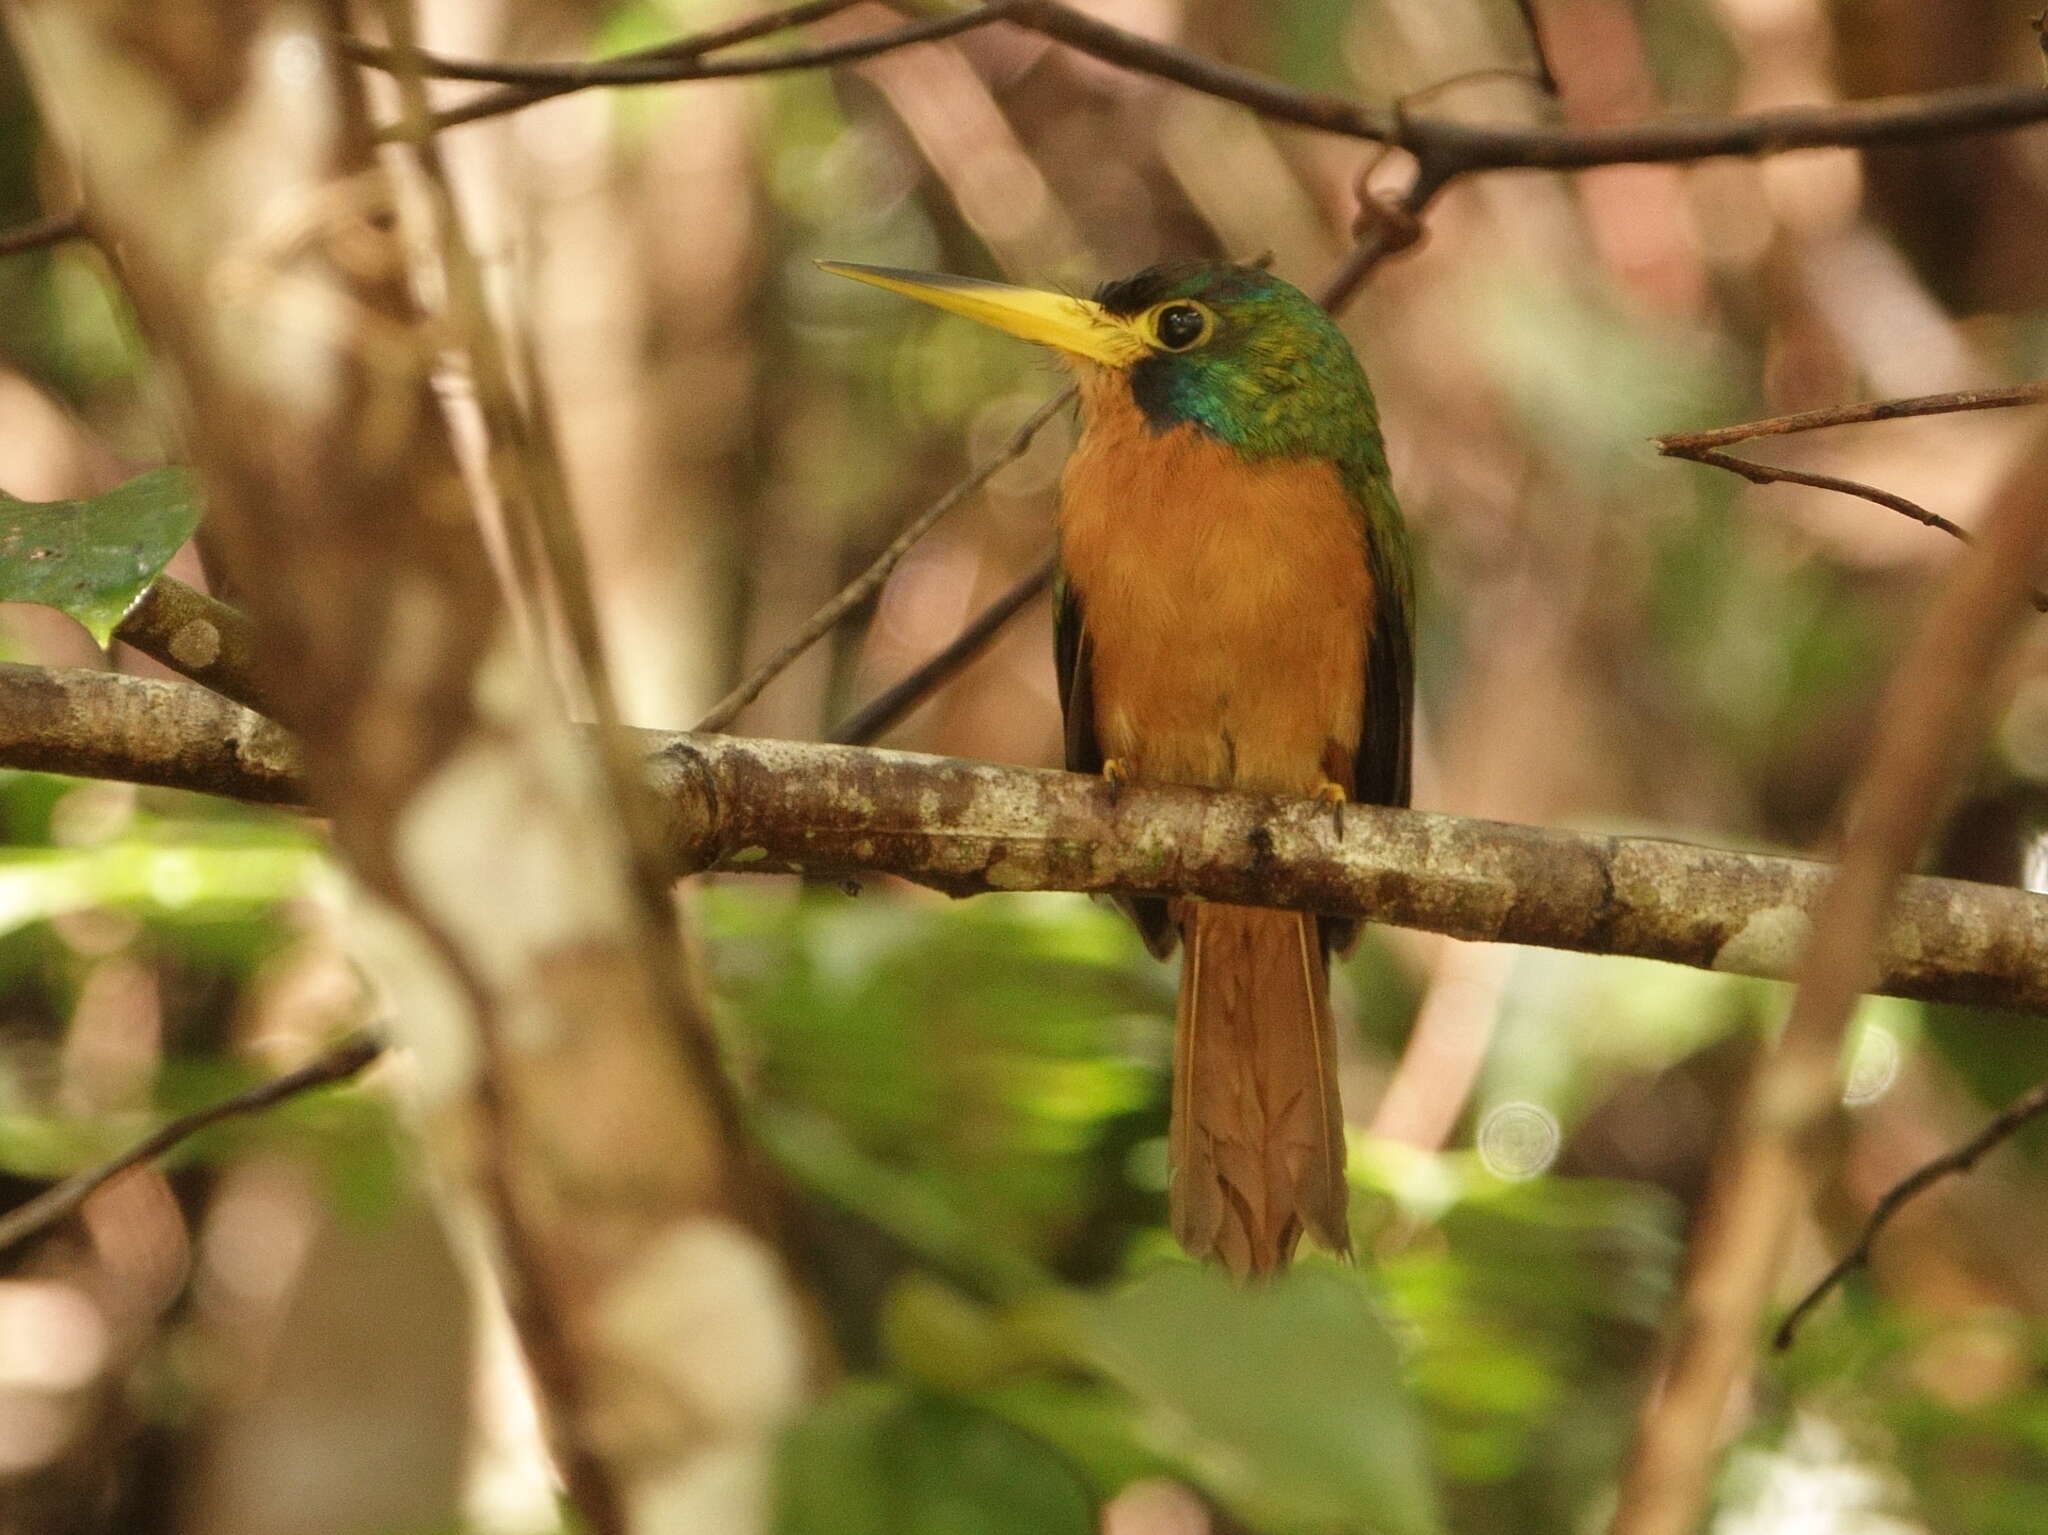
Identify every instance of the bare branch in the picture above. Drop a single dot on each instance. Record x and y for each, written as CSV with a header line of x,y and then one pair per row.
x,y
54,230
672,63
1682,444
2003,1128
1447,148
787,807
60,1202
1704,448
892,703
677,62
1937,714
869,582
1546,77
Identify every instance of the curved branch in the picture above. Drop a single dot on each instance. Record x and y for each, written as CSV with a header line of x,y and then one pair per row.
x,y
2002,1128
788,807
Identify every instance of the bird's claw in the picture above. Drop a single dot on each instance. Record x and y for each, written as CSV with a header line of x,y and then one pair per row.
x,y
1333,795
1116,772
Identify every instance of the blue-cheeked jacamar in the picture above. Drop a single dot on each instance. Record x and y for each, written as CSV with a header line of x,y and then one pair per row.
x,y
1234,609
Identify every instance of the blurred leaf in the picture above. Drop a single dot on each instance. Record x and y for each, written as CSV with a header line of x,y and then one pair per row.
x,y
876,1459
1288,1397
92,559
37,884
992,1112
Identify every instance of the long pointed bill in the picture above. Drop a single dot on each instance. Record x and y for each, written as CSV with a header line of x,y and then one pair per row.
x,y
1075,325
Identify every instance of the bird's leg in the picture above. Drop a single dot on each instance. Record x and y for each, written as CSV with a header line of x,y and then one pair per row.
x,y
1335,796
1116,772
1332,791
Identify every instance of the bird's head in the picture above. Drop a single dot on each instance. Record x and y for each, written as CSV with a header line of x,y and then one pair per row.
x,y
1226,349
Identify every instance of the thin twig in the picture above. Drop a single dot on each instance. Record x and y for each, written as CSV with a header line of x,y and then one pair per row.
x,y
672,63
514,98
677,62
63,1200
873,719
1704,448
1546,77
1966,1156
870,581
1681,443
54,230
1769,474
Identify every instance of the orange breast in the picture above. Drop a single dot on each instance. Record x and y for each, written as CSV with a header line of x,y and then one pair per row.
x,y
1227,603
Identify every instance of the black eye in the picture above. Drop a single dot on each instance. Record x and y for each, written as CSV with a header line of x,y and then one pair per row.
x,y
1180,326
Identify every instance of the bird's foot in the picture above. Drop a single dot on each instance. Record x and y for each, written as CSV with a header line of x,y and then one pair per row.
x,y
1333,795
1116,772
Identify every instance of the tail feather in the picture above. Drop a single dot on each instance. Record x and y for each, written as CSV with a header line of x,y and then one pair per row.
x,y
1257,1134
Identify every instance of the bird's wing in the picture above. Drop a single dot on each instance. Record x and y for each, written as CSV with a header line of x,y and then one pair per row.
x,y
1381,767
1076,678
1070,652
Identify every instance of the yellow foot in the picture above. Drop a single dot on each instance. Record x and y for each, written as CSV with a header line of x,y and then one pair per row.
x,y
1116,772
1333,795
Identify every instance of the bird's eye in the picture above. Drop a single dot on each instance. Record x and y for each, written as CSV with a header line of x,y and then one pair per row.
x,y
1180,326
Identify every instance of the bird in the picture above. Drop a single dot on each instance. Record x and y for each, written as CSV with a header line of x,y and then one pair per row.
x,y
1234,608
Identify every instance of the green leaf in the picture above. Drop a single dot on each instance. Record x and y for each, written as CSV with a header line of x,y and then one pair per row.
x,y
1287,1399
875,1459
92,559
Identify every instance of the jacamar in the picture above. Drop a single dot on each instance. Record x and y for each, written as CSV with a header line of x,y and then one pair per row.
x,y
1234,609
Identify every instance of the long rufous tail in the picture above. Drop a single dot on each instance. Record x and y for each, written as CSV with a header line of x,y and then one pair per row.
x,y
1257,1134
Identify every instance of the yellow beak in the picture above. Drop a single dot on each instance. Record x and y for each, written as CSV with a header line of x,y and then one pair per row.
x,y
1077,326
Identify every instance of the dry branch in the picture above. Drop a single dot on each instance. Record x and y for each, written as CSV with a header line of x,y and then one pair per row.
x,y
1444,147
2002,1128
512,98
868,584
1860,414
1705,448
768,807
878,714
62,1200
